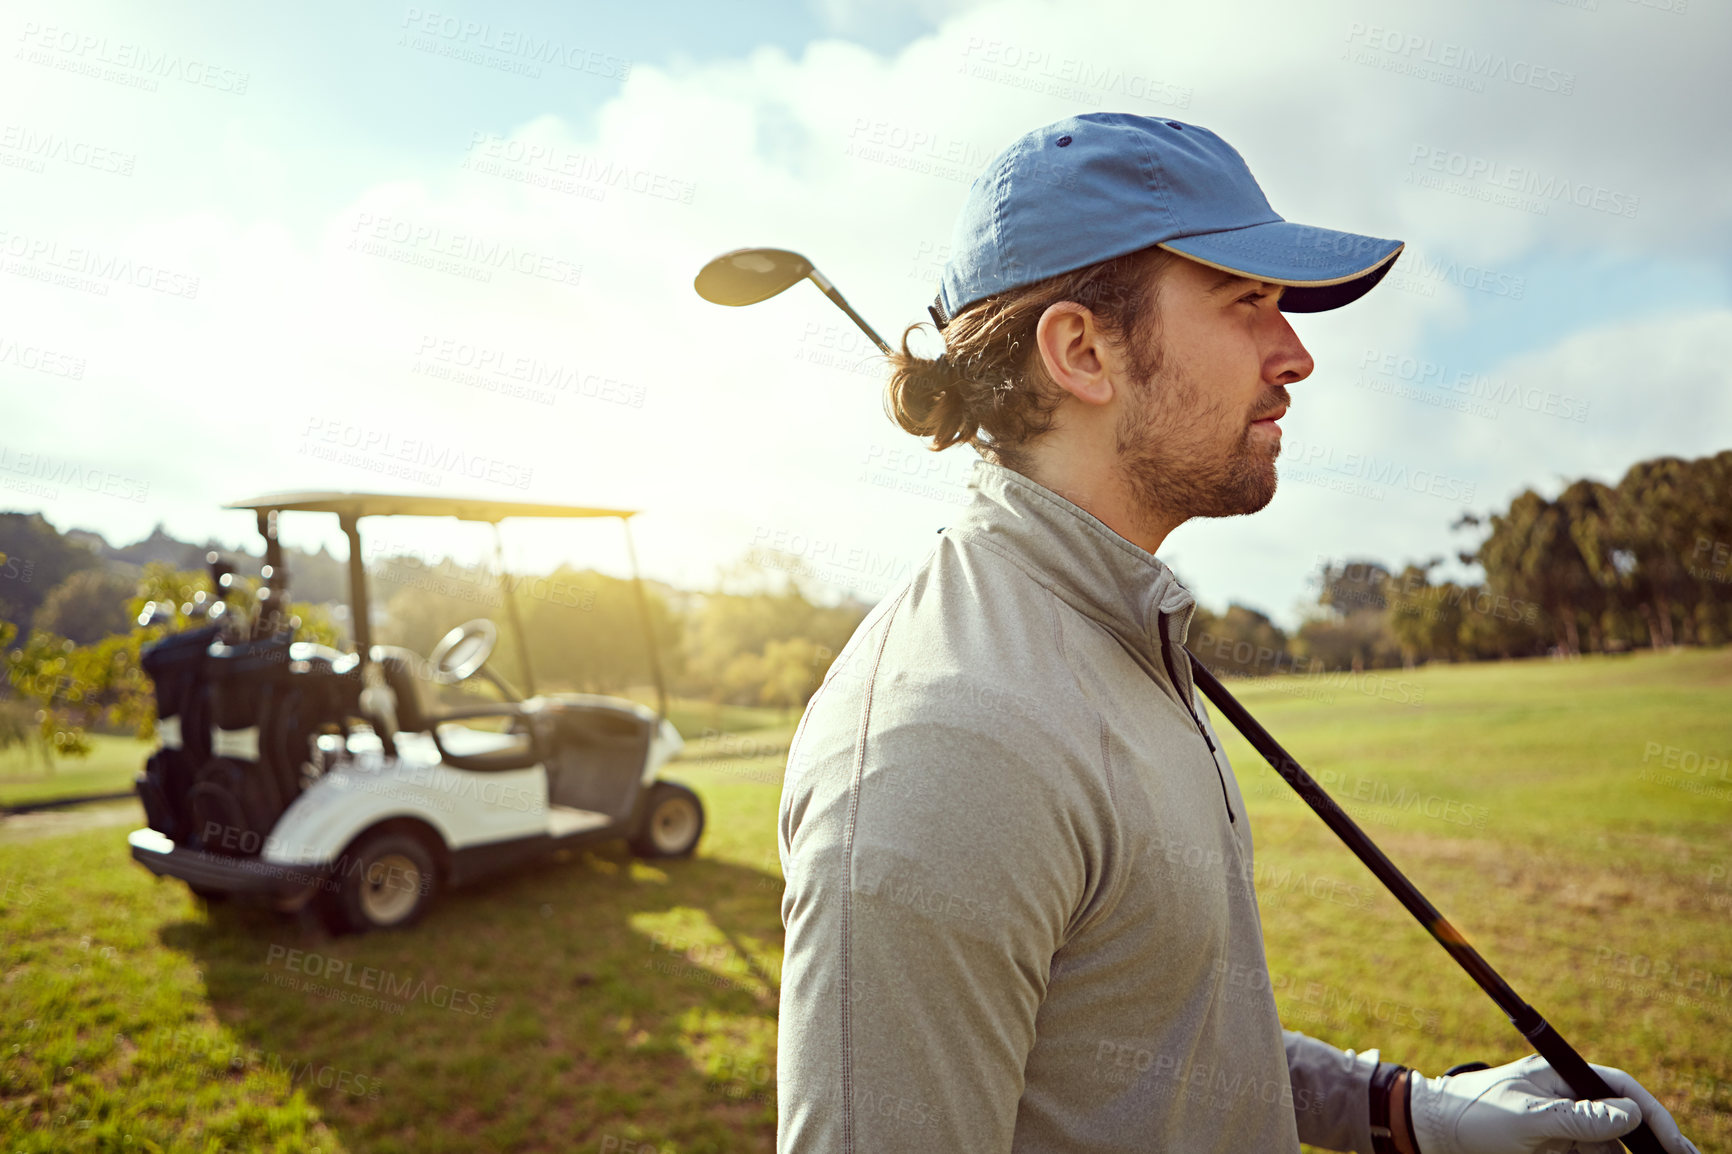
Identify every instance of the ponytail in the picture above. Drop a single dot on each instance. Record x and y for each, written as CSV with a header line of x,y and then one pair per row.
x,y
930,398
988,388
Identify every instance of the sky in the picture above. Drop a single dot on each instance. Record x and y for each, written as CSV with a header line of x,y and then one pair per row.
x,y
450,249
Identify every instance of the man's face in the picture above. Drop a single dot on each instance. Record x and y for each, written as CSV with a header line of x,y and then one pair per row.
x,y
1190,440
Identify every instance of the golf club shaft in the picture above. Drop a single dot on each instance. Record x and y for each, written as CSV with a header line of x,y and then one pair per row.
x,y
1547,1042
829,290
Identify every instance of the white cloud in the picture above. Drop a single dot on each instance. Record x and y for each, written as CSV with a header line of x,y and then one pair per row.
x,y
754,424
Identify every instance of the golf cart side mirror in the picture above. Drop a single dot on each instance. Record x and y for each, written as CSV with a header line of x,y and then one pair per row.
x,y
464,650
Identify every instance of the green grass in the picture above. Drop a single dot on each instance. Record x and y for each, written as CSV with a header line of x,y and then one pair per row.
x,y
695,718
110,768
638,1002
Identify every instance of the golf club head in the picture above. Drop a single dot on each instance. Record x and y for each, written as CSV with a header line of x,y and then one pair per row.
x,y
749,275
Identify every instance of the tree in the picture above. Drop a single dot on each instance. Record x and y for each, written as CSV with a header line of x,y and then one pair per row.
x,y
584,630
1240,642
1352,632
1425,619
793,670
40,676
1531,554
722,628
1589,511
87,606
1709,561
38,559
1495,624
74,688
1670,510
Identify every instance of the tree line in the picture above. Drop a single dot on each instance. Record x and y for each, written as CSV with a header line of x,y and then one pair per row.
x,y
70,637
1644,563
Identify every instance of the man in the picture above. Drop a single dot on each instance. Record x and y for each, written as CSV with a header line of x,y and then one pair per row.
x,y
1019,906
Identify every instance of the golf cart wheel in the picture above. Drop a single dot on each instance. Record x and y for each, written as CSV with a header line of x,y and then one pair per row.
x,y
206,894
387,880
672,822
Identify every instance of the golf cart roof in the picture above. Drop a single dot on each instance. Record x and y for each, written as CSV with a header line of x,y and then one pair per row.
x,y
418,505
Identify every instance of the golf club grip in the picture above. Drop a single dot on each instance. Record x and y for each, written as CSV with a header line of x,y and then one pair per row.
x,y
1584,1082
1546,1041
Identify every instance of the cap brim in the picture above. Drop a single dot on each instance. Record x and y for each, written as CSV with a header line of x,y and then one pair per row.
x,y
1322,269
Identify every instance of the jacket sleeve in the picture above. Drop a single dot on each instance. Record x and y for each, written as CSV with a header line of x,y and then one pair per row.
x,y
1331,1093
931,874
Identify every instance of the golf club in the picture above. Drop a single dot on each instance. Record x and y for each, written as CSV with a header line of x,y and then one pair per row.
x,y
1546,1041
747,276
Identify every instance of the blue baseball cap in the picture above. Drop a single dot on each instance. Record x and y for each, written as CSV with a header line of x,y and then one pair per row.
x,y
1106,184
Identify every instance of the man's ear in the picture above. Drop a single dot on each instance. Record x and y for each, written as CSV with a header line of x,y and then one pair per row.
x,y
1070,344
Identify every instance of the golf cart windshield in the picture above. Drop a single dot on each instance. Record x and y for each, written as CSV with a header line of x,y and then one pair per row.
x,y
351,507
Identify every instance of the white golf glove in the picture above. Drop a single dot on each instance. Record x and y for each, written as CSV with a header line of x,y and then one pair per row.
x,y
1527,1108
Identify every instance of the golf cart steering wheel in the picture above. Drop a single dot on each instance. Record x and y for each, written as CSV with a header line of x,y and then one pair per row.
x,y
464,650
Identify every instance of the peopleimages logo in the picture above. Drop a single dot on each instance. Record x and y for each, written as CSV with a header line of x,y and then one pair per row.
x,y
1065,77
562,170
59,471
1435,376
386,445
528,48
1368,467
39,147
543,377
1468,62
466,254
1417,266
1514,179
917,150
387,982
38,359
100,266
87,53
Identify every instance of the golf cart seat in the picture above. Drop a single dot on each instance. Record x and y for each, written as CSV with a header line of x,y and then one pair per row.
x,y
459,746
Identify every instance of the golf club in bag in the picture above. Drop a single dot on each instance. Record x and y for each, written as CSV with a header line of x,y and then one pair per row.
x,y
749,275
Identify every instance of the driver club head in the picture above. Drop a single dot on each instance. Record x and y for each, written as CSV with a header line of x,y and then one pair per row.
x,y
746,276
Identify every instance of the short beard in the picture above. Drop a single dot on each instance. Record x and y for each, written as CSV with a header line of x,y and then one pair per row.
x,y
1170,471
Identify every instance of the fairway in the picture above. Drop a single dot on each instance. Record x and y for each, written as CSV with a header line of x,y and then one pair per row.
x,y
112,764
1574,819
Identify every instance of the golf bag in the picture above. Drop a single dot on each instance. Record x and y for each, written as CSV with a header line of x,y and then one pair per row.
x,y
176,669
236,797
239,722
320,693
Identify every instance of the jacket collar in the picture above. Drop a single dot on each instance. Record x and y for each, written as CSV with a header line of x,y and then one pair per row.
x,y
1087,565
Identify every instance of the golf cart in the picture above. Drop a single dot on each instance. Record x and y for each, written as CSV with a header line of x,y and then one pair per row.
x,y
294,772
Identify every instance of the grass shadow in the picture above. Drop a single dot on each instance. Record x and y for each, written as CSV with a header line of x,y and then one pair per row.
x,y
586,1004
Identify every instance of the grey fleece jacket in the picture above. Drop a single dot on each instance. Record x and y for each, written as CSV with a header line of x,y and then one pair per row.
x,y
1019,903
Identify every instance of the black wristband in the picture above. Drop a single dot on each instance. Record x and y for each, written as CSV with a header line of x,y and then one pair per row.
x,y
1412,1138
1382,1081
